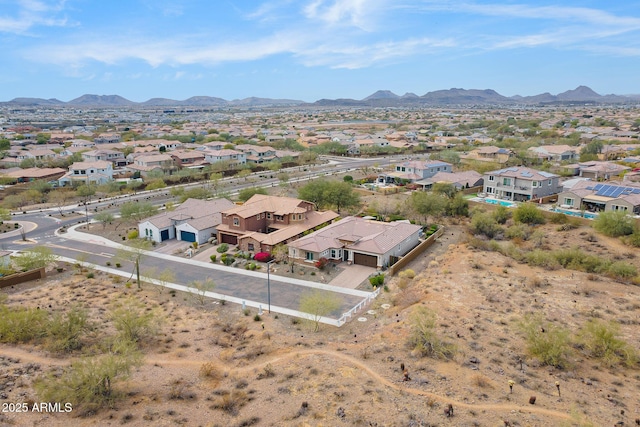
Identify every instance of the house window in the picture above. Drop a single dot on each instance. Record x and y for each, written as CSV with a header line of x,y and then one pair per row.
x,y
491,177
534,184
250,246
506,181
269,215
258,217
279,218
150,233
549,182
309,256
490,190
236,222
403,169
146,231
568,201
300,216
335,254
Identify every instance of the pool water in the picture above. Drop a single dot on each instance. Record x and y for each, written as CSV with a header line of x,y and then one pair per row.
x,y
579,214
500,202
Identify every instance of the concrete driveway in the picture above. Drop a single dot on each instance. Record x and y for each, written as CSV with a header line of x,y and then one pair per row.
x,y
352,276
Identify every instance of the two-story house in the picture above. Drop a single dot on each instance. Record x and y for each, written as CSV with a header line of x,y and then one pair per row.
x,y
257,153
234,157
98,172
146,163
265,221
415,170
520,184
188,158
107,138
113,156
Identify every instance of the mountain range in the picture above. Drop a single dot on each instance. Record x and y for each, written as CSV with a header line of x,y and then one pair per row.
x,y
381,98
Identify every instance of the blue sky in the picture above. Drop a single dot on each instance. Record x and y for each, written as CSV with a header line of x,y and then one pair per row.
x,y
313,49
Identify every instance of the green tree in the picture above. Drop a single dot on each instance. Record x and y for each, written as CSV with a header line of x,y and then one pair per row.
x,y
200,288
458,206
136,211
444,188
615,223
244,174
427,204
104,218
134,253
528,213
329,193
247,193
195,193
61,197
318,304
37,257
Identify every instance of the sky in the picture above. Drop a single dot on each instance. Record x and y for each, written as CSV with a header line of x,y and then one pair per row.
x,y
313,49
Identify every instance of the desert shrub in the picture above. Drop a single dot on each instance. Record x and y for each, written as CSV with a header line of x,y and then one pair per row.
x,y
501,214
621,270
228,260
210,370
20,325
558,218
88,383
321,263
528,213
262,257
518,231
222,248
408,273
133,321
484,223
541,258
614,224
213,258
377,280
548,342
65,330
634,239
231,402
423,337
602,340
133,234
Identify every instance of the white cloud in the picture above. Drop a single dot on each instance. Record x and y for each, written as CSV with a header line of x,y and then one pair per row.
x,y
33,13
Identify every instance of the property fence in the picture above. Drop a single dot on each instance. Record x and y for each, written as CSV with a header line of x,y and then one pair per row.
x,y
360,306
17,278
413,254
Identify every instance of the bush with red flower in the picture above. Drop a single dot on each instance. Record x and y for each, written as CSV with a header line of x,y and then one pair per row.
x,y
321,263
262,257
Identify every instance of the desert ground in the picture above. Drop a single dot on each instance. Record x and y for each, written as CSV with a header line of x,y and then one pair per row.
x,y
212,364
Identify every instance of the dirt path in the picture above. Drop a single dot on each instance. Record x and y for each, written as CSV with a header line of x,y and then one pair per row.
x,y
284,356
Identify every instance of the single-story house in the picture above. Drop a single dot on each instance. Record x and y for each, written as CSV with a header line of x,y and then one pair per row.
x,y
602,197
356,240
194,220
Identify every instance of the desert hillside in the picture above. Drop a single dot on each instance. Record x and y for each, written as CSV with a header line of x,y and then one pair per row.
x,y
211,364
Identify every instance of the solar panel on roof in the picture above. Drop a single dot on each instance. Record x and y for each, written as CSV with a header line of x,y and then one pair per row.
x,y
617,192
598,187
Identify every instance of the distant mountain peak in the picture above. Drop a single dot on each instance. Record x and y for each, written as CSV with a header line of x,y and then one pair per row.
x,y
381,94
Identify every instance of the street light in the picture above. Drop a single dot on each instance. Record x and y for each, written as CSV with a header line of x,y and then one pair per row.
x,y
269,284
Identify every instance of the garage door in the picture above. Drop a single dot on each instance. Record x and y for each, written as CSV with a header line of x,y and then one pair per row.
x,y
364,259
187,236
229,239
164,235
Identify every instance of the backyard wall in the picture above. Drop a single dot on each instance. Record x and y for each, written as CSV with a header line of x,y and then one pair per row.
x,y
18,278
415,252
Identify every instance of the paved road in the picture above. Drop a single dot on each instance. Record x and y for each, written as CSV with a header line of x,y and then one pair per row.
x,y
237,284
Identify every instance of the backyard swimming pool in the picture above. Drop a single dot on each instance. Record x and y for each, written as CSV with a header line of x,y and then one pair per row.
x,y
500,202
587,215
